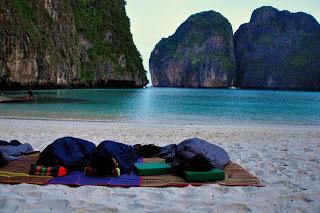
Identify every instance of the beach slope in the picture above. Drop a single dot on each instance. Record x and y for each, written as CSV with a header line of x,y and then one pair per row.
x,y
286,158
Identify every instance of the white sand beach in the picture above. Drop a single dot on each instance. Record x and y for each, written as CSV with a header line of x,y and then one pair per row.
x,y
286,158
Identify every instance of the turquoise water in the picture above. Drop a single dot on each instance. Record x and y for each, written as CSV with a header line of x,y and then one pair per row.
x,y
173,105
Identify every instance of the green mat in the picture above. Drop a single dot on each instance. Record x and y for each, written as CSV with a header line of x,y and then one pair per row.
x,y
156,168
161,168
212,175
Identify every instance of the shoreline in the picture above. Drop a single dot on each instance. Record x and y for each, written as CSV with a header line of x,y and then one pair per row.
x,y
186,123
160,87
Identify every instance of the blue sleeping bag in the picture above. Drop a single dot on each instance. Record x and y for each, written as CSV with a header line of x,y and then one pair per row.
x,y
69,152
196,152
125,156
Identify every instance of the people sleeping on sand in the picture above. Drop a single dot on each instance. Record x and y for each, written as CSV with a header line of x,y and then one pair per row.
x,y
108,159
111,158
193,154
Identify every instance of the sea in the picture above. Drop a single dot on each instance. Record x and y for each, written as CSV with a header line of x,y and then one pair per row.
x,y
170,105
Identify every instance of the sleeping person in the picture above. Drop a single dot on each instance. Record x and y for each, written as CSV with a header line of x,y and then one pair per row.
x,y
111,158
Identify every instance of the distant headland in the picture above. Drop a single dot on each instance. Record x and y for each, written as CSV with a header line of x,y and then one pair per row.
x,y
275,50
80,44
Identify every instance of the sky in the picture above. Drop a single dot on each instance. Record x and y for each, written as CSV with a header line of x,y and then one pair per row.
x,y
152,20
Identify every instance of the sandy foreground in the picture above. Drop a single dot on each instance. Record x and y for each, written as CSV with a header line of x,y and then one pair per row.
x,y
286,158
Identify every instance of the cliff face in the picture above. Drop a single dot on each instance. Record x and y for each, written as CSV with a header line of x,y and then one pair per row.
x,y
199,54
278,50
69,43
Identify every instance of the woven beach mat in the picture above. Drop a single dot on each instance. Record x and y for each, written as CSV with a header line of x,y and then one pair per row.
x,y
235,175
17,171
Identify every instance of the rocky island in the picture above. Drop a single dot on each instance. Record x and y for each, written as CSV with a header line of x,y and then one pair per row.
x,y
275,50
70,43
278,50
199,54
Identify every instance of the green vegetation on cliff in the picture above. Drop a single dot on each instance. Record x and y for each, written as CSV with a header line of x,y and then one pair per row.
x,y
33,22
278,50
193,33
107,28
199,54
68,43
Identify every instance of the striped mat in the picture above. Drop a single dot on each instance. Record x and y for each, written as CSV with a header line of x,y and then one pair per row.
x,y
17,172
234,173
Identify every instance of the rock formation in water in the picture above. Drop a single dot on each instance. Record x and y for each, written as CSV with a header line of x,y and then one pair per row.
x,y
278,50
199,54
69,43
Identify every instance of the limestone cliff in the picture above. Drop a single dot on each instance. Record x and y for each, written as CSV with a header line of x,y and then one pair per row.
x,y
68,43
278,50
199,54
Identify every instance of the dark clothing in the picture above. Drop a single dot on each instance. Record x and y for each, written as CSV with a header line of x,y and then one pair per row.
x,y
71,153
12,151
11,143
195,148
3,160
125,156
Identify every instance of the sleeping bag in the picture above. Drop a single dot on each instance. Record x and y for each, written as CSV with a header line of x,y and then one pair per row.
x,y
71,153
195,154
110,156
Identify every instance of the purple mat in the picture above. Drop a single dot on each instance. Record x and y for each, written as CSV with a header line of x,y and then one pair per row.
x,y
79,179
